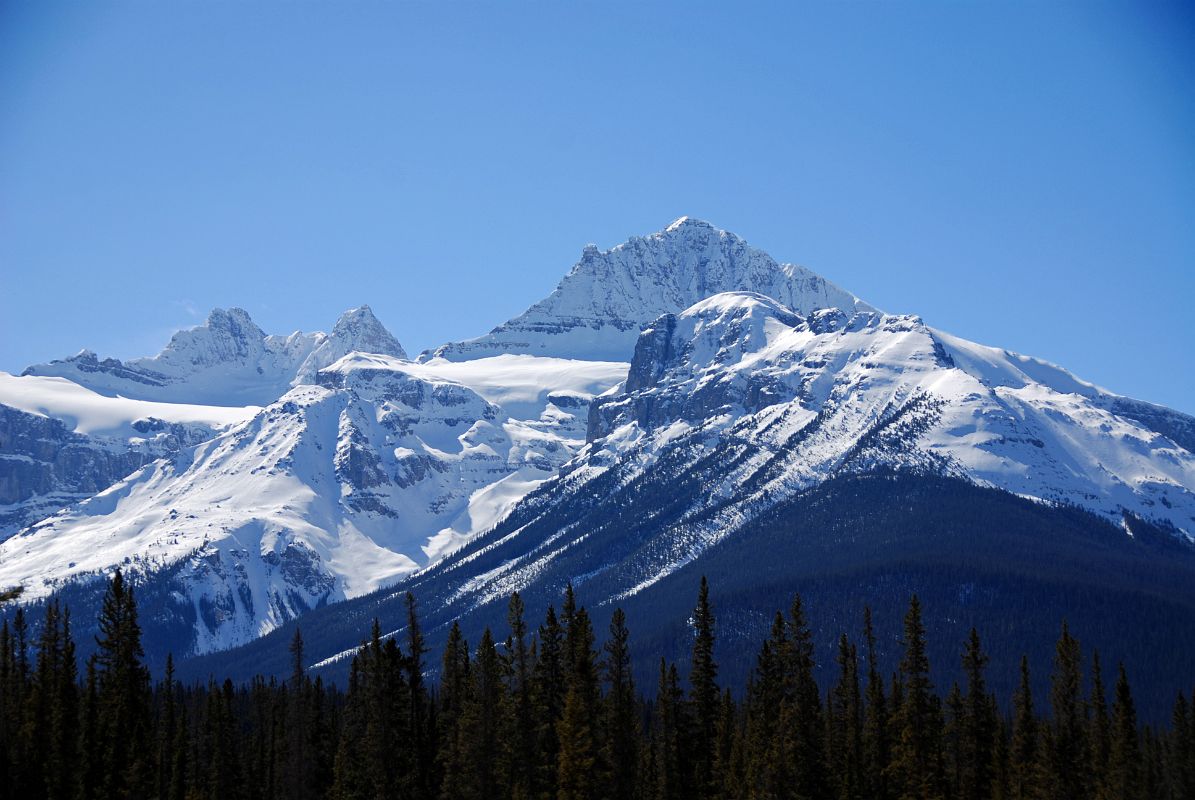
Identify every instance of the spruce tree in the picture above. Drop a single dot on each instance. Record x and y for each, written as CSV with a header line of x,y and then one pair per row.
x,y
581,673
1154,781
180,757
846,725
979,726
729,771
20,635
263,760
876,740
385,754
548,692
23,775
167,724
621,748
704,694
568,608
801,713
454,690
1124,779
521,741
1069,762
54,706
90,743
272,739
1024,751
1001,760
768,768
324,726
1100,732
916,768
10,707
575,778
668,737
296,771
123,686
1182,749
223,777
952,741
420,727
481,724
576,731
350,778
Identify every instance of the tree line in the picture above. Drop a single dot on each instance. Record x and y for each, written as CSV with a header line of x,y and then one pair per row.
x,y
551,713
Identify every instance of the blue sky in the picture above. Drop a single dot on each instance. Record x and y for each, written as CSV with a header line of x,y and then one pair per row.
x,y
1020,174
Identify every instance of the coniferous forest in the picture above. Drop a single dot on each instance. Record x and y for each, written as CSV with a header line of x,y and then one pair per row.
x,y
551,711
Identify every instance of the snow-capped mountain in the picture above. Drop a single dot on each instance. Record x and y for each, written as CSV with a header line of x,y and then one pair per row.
x,y
853,458
599,308
872,390
335,489
749,382
738,405
787,402
227,361
71,428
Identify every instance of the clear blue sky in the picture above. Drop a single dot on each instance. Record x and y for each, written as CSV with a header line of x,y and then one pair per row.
x,y
1021,174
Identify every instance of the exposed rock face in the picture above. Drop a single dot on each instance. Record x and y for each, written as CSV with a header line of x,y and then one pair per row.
x,y
45,466
600,307
653,353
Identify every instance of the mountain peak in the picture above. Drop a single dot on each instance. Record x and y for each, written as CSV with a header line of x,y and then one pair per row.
x,y
228,360
358,329
221,316
234,322
361,312
601,305
689,223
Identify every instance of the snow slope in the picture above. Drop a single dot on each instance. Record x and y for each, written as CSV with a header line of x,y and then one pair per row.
x,y
330,492
84,411
61,442
745,363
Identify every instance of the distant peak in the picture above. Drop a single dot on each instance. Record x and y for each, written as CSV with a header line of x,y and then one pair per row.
x,y
219,315
234,320
360,314
359,329
688,222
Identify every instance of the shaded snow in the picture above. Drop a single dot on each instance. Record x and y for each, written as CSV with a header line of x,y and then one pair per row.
x,y
84,411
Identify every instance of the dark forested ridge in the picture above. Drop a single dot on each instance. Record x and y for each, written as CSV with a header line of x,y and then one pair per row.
x,y
983,558
549,708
